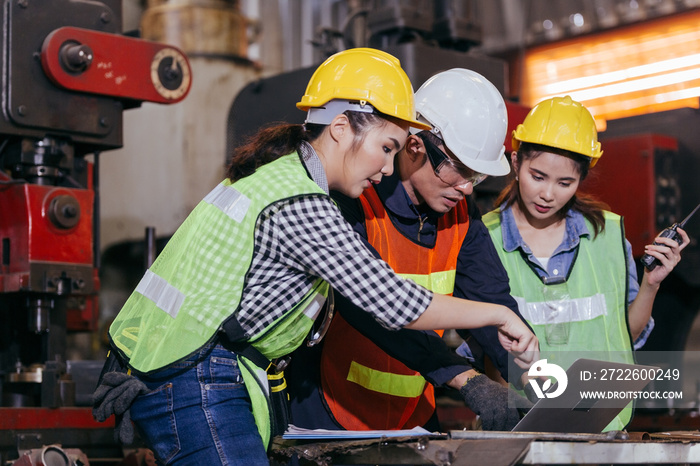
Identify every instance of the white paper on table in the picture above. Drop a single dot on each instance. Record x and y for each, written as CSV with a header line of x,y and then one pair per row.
x,y
294,432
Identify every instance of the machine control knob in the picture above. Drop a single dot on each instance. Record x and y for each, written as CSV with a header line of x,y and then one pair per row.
x,y
170,73
64,211
75,57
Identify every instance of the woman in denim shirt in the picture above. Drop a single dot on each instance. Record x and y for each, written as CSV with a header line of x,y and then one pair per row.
x,y
569,265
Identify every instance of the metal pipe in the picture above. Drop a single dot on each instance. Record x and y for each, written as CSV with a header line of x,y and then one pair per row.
x,y
96,210
150,246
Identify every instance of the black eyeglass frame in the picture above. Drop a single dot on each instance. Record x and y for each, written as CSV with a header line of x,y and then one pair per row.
x,y
438,158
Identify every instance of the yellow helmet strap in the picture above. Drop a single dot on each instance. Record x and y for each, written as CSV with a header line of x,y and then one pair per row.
x,y
324,115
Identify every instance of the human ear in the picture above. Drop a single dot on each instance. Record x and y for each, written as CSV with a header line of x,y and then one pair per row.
x,y
514,162
414,147
339,127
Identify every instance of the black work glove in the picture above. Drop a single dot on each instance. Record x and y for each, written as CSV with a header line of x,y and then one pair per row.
x,y
114,395
499,407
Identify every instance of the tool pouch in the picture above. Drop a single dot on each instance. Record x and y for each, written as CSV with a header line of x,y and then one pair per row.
x,y
113,363
279,402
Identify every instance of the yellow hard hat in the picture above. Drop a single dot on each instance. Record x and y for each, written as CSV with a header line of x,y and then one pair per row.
x,y
356,77
563,123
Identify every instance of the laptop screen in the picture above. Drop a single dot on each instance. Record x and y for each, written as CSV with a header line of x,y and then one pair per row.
x,y
586,397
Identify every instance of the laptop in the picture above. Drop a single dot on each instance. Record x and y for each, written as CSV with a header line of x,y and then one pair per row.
x,y
587,398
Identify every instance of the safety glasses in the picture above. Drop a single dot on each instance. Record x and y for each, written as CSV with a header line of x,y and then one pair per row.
x,y
446,169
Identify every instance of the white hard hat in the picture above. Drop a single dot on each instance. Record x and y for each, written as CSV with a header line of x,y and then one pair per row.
x,y
469,114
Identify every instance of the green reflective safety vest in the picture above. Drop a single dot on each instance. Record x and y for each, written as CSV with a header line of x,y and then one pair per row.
x,y
197,282
587,313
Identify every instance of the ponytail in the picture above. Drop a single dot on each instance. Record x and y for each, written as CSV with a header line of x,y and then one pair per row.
x,y
276,141
267,145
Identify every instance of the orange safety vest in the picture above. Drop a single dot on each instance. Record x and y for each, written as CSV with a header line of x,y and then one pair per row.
x,y
365,388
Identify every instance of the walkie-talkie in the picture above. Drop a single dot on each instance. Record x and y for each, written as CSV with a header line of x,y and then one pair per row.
x,y
650,262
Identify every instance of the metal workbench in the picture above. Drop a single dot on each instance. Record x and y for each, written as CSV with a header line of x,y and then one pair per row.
x,y
462,448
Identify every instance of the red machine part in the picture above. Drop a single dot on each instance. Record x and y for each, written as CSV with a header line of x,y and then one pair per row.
x,y
39,243
625,178
31,430
516,115
49,418
37,237
83,313
107,64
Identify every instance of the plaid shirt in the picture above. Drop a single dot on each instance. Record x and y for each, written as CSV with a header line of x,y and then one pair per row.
x,y
298,240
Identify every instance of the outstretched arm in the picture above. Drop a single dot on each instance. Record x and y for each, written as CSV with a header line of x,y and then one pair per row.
x,y
422,351
450,312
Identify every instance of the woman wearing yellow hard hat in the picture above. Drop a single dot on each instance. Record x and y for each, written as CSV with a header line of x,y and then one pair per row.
x,y
197,350
569,266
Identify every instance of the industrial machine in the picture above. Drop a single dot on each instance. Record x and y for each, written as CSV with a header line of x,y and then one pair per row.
x,y
67,75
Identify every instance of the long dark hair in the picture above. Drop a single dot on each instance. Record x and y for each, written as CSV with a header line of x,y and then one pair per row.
x,y
278,140
590,207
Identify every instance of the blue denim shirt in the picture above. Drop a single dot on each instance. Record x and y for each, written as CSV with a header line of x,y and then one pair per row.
x,y
563,256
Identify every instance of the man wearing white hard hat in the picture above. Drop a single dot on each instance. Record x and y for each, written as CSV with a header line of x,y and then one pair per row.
x,y
419,221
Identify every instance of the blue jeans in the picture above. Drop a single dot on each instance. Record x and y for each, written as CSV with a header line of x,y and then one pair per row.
x,y
199,412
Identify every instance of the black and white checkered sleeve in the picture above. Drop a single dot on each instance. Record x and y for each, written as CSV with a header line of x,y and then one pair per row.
x,y
313,236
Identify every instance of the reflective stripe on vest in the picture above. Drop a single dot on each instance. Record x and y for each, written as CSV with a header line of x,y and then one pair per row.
x,y
165,296
407,386
439,282
364,387
571,310
596,317
230,201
